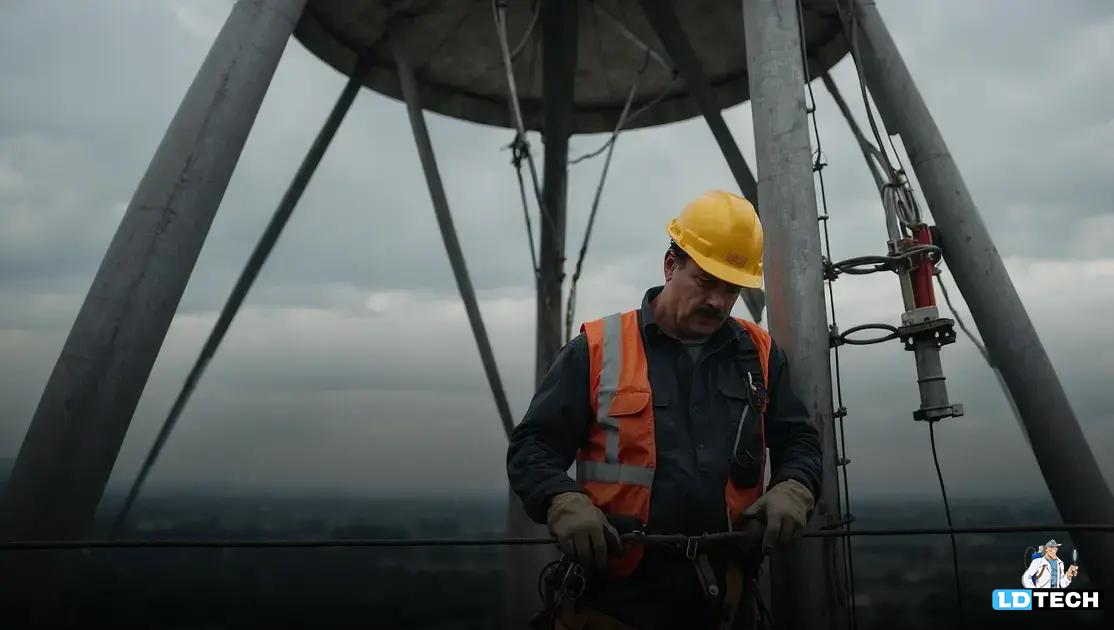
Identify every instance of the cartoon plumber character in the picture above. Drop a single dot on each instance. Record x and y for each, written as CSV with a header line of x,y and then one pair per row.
x,y
1047,571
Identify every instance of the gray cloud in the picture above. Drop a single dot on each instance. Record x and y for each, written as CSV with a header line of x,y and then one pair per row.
x,y
352,365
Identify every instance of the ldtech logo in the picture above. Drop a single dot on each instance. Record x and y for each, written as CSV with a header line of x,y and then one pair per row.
x,y
1028,599
1045,580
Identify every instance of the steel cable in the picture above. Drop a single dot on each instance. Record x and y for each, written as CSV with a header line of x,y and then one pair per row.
x,y
951,535
671,539
850,33
520,146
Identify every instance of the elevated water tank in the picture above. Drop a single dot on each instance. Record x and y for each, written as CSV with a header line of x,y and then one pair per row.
x,y
454,47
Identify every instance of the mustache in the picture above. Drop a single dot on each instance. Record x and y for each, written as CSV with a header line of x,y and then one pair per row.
x,y
708,311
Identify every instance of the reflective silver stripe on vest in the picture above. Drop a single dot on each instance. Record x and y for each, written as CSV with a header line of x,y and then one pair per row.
x,y
605,472
609,382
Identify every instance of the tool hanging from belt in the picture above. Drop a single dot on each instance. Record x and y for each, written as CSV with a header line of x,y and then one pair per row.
x,y
745,557
563,581
560,581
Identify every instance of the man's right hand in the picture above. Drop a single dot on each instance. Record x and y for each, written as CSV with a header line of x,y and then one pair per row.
x,y
582,530
784,508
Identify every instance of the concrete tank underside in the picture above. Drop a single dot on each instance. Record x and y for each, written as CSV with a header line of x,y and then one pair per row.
x,y
455,50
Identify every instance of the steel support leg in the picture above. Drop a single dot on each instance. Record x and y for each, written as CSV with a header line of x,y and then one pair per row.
x,y
85,410
448,232
244,283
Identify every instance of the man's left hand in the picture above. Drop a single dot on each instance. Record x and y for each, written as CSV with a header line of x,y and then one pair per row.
x,y
784,508
1073,570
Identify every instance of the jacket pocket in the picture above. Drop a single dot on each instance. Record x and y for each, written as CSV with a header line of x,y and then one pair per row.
x,y
732,386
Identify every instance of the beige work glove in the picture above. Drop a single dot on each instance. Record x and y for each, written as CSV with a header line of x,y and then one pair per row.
x,y
582,530
784,508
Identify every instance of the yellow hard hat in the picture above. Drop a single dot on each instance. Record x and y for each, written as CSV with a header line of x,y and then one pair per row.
x,y
721,232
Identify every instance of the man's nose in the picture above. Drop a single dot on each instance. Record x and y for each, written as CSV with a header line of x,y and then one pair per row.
x,y
720,302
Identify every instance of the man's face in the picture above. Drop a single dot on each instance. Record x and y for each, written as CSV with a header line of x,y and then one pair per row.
x,y
703,301
1050,553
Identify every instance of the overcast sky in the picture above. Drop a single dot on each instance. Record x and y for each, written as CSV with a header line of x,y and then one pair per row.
x,y
352,367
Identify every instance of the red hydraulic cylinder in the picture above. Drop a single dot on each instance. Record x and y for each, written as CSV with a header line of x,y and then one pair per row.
x,y
923,293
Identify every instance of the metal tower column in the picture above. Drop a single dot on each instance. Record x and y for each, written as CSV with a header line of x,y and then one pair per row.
x,y
809,589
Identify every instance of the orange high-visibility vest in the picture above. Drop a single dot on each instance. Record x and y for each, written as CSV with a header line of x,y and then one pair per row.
x,y
616,465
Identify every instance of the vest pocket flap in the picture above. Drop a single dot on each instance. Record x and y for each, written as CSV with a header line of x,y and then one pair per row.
x,y
628,403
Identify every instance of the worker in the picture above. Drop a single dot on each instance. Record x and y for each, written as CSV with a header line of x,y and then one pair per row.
x,y
668,412
1047,571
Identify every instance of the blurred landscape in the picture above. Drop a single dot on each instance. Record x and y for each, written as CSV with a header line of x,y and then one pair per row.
x,y
900,582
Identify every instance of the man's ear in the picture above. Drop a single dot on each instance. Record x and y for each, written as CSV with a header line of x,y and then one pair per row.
x,y
670,264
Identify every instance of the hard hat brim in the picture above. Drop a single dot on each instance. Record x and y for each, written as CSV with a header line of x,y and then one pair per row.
x,y
724,271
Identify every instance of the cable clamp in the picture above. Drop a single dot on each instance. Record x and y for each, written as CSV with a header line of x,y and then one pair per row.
x,y
692,547
835,340
932,414
924,324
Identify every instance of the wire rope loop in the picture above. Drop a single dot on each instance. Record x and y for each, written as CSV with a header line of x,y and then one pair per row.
x,y
891,334
863,265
